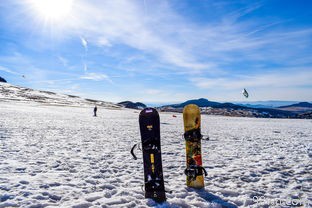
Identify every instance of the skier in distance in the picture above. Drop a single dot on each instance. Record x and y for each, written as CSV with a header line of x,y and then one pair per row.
x,y
94,111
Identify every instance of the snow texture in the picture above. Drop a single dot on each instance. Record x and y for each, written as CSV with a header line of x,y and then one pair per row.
x,y
62,156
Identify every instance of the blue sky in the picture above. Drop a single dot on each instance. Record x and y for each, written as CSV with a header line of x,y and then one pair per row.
x,y
159,51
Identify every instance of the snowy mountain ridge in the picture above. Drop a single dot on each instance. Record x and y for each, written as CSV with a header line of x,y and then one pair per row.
x,y
133,105
23,94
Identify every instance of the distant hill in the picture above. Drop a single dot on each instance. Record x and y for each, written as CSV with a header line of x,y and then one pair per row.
x,y
266,104
129,104
9,92
301,107
232,106
2,79
202,102
301,104
254,105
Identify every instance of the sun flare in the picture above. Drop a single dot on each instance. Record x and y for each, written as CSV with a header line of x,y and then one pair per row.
x,y
52,10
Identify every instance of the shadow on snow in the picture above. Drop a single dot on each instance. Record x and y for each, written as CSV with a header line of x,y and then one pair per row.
x,y
209,197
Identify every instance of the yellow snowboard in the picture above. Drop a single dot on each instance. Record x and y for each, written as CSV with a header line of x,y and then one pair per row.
x,y
192,135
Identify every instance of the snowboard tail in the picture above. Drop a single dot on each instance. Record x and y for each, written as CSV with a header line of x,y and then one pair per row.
x,y
194,171
150,137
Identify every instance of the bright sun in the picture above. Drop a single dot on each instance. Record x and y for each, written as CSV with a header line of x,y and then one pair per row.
x,y
52,10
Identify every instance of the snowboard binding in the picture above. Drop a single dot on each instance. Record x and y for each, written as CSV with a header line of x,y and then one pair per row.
x,y
153,183
193,171
193,135
151,148
154,188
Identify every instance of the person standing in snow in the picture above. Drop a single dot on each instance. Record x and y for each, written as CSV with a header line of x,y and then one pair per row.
x,y
94,111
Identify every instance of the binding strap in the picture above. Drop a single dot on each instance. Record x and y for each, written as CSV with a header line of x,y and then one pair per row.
x,y
132,152
193,135
150,147
193,171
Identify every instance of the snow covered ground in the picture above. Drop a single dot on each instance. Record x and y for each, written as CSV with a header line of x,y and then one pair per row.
x,y
9,92
61,156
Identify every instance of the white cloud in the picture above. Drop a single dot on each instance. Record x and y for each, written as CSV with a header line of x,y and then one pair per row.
x,y
96,77
124,22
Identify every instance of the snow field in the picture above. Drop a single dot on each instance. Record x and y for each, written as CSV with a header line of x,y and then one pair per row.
x,y
64,157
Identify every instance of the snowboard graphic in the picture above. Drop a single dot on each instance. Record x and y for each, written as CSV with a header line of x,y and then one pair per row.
x,y
192,135
150,137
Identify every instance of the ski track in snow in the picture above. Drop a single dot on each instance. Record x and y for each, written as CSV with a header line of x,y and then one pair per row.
x,y
63,157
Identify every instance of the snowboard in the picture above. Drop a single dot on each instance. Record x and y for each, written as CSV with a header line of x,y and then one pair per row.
x,y
194,171
150,137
